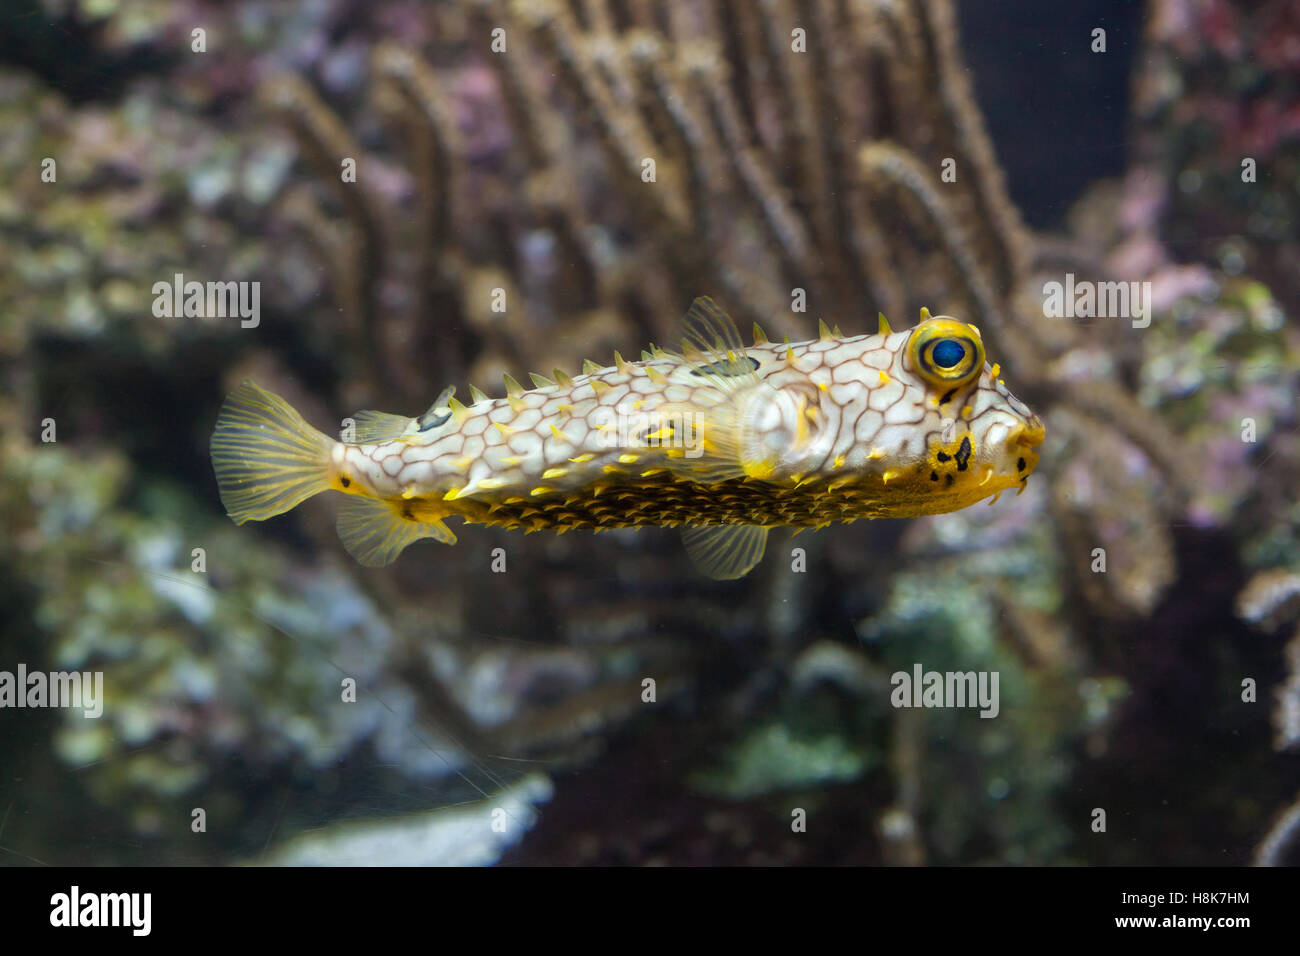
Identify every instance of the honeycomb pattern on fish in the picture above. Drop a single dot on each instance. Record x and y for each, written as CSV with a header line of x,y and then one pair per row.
x,y
803,434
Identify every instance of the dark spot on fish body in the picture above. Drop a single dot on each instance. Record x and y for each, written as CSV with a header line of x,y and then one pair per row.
x,y
726,367
345,481
406,513
963,453
934,476
947,397
431,419
433,422
943,456
950,479
1020,464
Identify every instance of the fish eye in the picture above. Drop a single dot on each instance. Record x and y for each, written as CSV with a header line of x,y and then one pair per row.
x,y
946,352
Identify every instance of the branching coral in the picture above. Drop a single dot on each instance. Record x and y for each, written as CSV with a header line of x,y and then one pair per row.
x,y
797,156
1271,601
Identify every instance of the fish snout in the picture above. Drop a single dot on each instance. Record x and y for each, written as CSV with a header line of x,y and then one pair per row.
x,y
1022,446
1029,435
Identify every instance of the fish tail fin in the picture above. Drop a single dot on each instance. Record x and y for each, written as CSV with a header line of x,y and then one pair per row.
x,y
266,457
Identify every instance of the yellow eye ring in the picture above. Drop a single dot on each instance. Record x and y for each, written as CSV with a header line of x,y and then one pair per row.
x,y
946,352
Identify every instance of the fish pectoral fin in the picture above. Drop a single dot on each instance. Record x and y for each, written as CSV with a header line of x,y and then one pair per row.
x,y
375,533
373,427
726,552
711,428
710,440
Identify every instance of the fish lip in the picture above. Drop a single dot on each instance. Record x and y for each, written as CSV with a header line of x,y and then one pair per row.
x,y
1030,434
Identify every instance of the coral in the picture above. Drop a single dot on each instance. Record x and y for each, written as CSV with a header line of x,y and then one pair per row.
x,y
1271,600
463,836
1218,88
863,204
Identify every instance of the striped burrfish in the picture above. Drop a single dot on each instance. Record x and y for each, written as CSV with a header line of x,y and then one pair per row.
x,y
723,439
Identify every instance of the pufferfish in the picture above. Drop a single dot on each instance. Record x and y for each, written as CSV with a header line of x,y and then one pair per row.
x,y
725,440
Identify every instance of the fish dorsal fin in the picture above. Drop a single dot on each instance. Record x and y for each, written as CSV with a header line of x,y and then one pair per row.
x,y
711,341
726,552
373,427
375,532
435,417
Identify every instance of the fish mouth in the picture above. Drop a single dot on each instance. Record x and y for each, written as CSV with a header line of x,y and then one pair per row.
x,y
1029,435
1023,443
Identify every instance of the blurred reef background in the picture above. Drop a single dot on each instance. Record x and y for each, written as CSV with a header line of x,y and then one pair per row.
x,y
776,170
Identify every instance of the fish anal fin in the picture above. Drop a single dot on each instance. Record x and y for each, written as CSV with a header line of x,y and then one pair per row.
x,y
375,531
371,427
726,552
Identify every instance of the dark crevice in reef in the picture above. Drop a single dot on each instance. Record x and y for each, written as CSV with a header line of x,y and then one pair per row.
x,y
1171,778
66,53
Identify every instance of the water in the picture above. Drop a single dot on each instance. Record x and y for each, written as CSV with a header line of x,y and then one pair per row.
x,y
1099,671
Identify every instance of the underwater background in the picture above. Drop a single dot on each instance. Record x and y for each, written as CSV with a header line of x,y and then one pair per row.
x,y
1140,601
